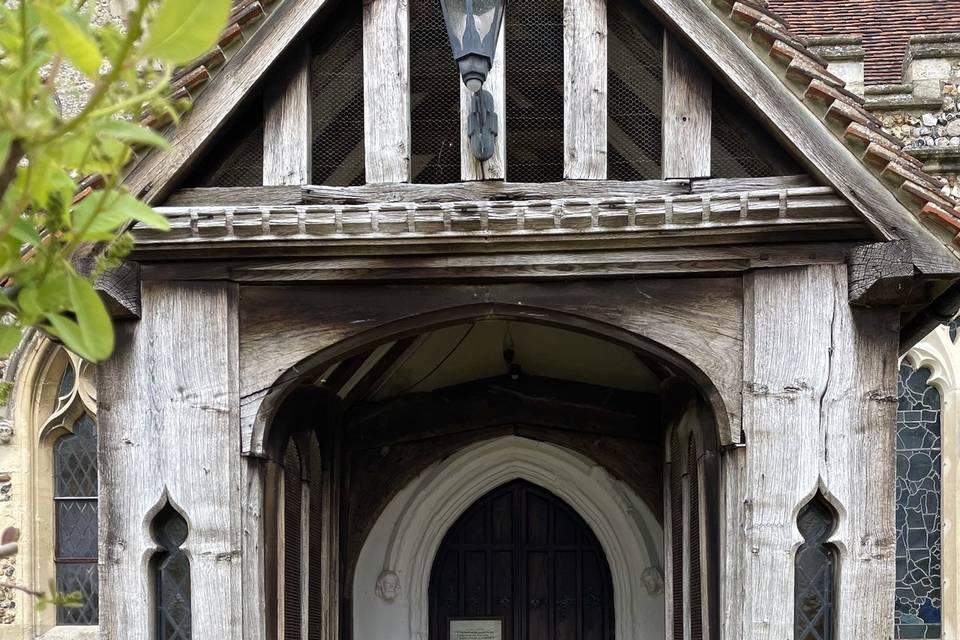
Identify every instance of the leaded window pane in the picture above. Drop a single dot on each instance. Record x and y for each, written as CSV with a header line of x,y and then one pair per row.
x,y
918,589
75,461
82,577
75,497
174,618
76,529
815,573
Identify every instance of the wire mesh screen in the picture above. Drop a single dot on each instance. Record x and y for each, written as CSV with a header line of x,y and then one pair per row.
x,y
434,97
336,100
634,93
534,79
742,147
235,159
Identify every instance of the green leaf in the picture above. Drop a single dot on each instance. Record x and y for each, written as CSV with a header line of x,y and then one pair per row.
x,y
141,212
9,338
132,133
72,41
183,30
26,233
69,333
96,329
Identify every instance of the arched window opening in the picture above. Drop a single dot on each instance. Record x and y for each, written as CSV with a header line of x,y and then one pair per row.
x,y
434,98
816,570
695,591
292,558
918,606
75,497
634,93
534,90
171,576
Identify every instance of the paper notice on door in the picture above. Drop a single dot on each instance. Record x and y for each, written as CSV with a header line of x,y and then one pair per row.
x,y
476,629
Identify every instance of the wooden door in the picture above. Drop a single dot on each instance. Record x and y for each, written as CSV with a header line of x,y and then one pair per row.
x,y
522,554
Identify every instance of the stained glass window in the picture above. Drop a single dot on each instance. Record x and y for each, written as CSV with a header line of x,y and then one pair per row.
x,y
75,495
815,593
172,577
918,597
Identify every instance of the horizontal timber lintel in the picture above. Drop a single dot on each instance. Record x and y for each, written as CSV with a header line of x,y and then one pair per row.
x,y
487,190
491,226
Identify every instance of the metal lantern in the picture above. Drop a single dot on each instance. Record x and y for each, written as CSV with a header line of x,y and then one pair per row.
x,y
473,27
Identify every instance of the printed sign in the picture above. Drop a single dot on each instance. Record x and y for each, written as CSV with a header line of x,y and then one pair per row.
x,y
476,628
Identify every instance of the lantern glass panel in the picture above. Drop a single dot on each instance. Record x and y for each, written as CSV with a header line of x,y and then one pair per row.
x,y
486,14
455,14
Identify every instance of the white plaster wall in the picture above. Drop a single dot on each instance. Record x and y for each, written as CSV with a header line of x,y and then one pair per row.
x,y
408,533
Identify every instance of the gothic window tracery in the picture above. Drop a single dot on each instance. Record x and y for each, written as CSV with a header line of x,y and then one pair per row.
x,y
75,490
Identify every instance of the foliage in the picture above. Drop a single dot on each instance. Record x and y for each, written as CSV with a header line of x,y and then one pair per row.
x,y
44,218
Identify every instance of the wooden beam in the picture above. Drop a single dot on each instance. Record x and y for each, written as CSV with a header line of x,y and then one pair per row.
x,y
469,191
120,290
496,167
287,139
687,113
382,370
585,89
386,90
881,273
156,175
716,43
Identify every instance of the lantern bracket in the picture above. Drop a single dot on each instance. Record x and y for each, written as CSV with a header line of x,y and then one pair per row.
x,y
483,125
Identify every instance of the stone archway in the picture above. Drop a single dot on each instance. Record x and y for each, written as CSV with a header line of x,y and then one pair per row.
x,y
400,548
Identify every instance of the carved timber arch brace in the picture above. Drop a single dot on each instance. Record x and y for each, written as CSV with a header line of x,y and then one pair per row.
x,y
702,344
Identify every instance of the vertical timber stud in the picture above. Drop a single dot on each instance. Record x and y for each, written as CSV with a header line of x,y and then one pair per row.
x,y
495,167
818,415
168,416
585,89
687,89
287,138
386,90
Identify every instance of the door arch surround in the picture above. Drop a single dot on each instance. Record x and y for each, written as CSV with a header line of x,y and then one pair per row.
x,y
545,577
404,541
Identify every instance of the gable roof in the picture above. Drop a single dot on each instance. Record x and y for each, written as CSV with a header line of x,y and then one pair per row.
x,y
885,26
749,46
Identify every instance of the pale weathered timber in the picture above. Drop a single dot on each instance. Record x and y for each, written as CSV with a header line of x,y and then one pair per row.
x,y
460,191
386,90
520,265
881,273
254,559
167,431
858,464
585,89
816,418
235,196
687,113
726,51
286,136
153,177
322,326
496,167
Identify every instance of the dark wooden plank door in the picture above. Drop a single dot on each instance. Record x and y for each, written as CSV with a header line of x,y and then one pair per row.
x,y
523,554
